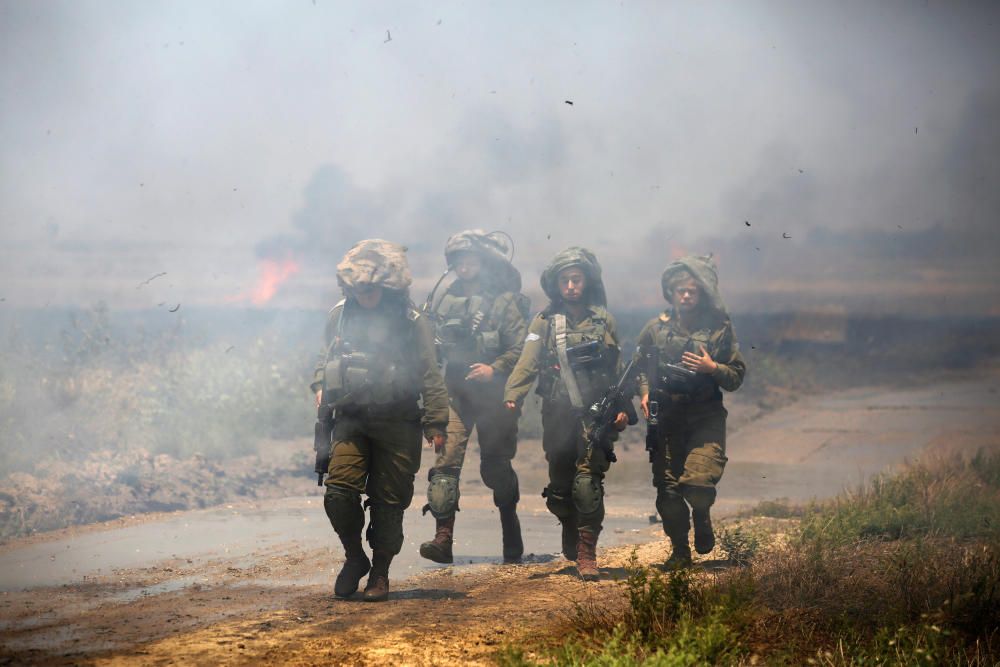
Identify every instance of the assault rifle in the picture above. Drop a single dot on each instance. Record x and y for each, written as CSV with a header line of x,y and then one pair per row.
x,y
651,356
324,437
618,398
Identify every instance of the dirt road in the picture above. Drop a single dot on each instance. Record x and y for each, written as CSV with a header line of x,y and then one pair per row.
x,y
244,583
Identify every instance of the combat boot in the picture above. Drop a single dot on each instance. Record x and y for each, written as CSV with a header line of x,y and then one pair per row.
x,y
586,560
377,588
680,557
704,538
439,549
356,565
513,546
570,535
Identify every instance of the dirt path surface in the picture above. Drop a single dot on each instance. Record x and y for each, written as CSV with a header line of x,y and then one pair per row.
x,y
251,583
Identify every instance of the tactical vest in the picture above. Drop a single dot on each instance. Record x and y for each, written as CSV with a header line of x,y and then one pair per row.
x,y
465,332
372,359
593,360
672,344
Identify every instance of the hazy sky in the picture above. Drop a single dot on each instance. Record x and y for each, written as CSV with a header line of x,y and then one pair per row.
x,y
195,138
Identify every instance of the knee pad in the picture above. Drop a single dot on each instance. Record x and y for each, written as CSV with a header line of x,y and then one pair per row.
x,y
588,494
499,476
442,496
559,503
699,497
385,528
343,508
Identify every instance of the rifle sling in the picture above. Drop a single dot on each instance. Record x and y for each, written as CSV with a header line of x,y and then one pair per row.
x,y
565,370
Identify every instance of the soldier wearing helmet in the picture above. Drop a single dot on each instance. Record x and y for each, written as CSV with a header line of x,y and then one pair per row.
x,y
572,348
480,328
695,334
377,362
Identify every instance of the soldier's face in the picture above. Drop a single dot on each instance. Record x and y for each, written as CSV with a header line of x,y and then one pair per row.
x,y
572,283
686,296
367,296
467,265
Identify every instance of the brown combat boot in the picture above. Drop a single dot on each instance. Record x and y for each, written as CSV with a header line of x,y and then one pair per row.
x,y
586,560
513,545
704,538
570,535
377,588
356,565
439,549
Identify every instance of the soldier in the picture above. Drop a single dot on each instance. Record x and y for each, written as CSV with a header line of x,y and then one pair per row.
x,y
571,375
696,335
378,360
480,327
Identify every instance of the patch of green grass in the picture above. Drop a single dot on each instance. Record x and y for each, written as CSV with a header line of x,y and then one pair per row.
x,y
741,544
958,499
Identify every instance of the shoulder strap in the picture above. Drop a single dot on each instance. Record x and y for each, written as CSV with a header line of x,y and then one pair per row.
x,y
568,378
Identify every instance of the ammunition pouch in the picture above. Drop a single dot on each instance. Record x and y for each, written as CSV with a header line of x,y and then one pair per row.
x,y
360,378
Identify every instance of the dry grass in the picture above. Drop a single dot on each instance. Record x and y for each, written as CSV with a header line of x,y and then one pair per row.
x,y
905,571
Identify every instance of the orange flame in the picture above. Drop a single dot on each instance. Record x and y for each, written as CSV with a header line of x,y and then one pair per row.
x,y
272,274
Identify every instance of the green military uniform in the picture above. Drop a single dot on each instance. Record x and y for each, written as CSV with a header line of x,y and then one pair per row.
x,y
691,452
487,327
575,494
376,364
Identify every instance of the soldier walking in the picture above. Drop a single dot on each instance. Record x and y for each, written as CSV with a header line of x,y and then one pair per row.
x,y
480,328
378,360
696,335
572,348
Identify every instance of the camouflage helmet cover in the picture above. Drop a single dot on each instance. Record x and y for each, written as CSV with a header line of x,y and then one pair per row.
x,y
493,248
587,261
702,269
375,262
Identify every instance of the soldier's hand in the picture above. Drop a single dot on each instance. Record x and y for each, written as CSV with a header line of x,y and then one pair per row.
x,y
319,396
510,405
699,363
480,373
644,406
621,421
438,441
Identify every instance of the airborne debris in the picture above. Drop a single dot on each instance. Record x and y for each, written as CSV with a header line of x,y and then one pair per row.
x,y
569,102
801,172
746,222
151,279
785,236
175,308
230,349
439,22
388,37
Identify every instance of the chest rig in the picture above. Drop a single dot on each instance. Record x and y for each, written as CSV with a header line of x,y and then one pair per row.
x,y
465,332
590,358
371,360
672,344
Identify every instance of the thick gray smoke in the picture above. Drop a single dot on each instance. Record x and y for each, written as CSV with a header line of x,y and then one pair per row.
x,y
199,140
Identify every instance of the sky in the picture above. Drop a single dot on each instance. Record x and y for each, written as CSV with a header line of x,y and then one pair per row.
x,y
801,142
